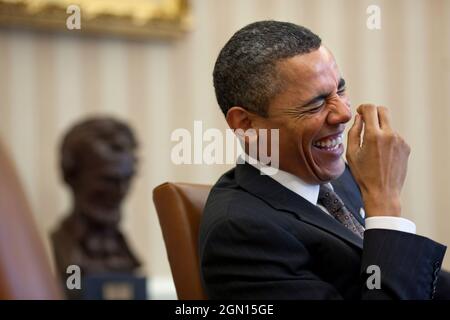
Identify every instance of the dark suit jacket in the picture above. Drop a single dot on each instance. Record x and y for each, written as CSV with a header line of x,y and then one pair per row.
x,y
259,240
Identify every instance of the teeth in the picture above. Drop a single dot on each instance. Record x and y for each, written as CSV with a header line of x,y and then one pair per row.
x,y
329,143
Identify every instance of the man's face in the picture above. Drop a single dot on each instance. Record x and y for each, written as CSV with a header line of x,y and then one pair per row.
x,y
101,186
310,111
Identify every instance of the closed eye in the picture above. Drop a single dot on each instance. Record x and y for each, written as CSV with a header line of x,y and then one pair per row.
x,y
341,91
315,106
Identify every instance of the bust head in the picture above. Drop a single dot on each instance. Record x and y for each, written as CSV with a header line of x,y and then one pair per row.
x,y
98,161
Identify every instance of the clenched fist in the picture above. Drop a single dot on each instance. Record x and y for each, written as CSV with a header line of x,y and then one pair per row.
x,y
378,159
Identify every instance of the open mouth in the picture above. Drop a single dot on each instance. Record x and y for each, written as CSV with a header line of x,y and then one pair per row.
x,y
329,143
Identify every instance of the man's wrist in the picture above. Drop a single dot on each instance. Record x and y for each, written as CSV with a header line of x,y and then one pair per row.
x,y
382,206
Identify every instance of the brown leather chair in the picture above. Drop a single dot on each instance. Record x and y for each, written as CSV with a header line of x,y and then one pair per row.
x,y
179,207
24,269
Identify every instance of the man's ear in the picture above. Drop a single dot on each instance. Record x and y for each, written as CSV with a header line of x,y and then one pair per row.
x,y
239,118
243,124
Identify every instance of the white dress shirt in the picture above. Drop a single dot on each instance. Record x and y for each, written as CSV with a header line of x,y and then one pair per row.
x,y
311,193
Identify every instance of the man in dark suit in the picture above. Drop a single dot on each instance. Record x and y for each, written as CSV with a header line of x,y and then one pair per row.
x,y
315,228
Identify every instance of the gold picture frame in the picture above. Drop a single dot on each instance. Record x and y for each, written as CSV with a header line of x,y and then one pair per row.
x,y
131,18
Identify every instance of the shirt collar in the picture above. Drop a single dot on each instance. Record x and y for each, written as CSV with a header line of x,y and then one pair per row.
x,y
310,192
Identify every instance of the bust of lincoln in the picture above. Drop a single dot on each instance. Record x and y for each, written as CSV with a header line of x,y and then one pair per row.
x,y
98,163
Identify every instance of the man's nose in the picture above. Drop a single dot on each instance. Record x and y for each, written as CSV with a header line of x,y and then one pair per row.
x,y
340,112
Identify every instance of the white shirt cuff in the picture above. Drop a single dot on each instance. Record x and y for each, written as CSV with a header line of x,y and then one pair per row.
x,y
391,223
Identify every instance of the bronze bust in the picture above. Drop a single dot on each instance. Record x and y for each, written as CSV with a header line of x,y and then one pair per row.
x,y
98,162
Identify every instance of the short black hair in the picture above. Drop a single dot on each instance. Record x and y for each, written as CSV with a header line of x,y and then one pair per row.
x,y
245,72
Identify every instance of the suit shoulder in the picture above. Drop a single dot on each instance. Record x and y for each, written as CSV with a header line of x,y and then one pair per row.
x,y
228,202
225,203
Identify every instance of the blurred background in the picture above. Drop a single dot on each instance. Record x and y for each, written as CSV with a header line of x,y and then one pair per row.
x,y
49,80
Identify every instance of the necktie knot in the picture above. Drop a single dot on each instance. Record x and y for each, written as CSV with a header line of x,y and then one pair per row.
x,y
329,199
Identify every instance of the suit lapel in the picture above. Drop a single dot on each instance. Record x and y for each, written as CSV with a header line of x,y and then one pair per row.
x,y
281,198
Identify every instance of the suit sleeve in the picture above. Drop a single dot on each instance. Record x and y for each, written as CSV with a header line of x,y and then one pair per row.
x,y
409,264
443,286
247,259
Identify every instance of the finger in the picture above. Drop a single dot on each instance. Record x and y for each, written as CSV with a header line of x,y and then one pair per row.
x,y
354,135
369,116
384,118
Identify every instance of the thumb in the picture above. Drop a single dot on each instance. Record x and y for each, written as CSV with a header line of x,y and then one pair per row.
x,y
354,135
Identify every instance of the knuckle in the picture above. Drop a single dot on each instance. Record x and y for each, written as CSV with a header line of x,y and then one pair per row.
x,y
371,107
403,145
383,109
367,107
394,137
